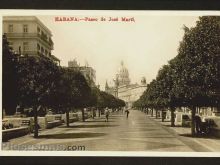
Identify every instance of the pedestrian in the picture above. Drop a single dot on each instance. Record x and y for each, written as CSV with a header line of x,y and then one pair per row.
x,y
106,114
198,124
127,112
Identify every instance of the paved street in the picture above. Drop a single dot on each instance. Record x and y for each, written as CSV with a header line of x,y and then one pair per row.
x,y
137,133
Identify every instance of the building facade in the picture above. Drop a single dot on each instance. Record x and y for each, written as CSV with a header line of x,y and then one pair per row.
x,y
88,72
123,89
27,35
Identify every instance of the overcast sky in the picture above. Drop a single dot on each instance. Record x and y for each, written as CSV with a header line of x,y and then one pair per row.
x,y
144,45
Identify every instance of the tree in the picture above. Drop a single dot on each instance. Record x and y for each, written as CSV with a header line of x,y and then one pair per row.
x,y
199,61
107,100
192,78
72,91
35,81
9,78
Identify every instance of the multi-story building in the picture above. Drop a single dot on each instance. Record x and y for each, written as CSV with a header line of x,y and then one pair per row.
x,y
123,89
87,71
27,35
130,93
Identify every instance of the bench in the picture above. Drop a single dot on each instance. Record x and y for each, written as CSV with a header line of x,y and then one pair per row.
x,y
54,123
58,118
73,117
25,122
53,120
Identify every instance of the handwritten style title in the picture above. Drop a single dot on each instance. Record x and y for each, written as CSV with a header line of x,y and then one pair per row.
x,y
94,19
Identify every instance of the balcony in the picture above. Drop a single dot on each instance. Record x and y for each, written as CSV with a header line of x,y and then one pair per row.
x,y
29,53
21,35
43,38
46,39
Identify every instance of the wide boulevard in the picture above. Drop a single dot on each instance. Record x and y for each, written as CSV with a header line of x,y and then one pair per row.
x,y
138,132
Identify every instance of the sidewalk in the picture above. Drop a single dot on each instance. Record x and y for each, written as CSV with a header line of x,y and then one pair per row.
x,y
139,132
211,143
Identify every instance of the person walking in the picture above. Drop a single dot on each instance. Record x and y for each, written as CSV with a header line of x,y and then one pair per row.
x,y
106,114
127,112
198,124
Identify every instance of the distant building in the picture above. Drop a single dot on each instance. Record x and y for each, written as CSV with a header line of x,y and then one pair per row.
x,y
88,72
123,89
27,35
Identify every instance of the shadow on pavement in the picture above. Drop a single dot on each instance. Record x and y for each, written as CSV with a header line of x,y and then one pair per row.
x,y
119,115
158,118
203,136
88,126
71,135
177,126
165,121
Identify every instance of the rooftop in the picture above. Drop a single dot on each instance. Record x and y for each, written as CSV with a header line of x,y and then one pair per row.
x,y
26,18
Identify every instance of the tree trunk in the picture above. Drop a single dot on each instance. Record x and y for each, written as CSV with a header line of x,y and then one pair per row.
x,y
152,112
93,113
3,113
83,115
67,117
99,112
172,109
147,111
162,115
35,122
156,113
193,109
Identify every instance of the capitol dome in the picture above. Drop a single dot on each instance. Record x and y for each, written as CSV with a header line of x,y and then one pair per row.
x,y
123,75
123,70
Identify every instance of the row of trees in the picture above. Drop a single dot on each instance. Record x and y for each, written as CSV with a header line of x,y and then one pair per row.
x,y
192,78
36,81
106,100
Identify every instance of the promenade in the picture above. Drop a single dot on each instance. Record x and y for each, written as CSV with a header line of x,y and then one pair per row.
x,y
138,132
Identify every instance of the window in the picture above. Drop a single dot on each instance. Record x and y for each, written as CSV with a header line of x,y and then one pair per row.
x,y
10,28
25,46
25,28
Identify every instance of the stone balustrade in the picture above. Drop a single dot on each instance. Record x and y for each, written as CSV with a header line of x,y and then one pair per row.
x,y
22,126
14,132
16,122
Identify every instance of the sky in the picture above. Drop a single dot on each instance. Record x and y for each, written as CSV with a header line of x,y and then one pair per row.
x,y
145,44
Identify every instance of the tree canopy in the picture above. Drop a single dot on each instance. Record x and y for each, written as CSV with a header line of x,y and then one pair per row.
x,y
193,76
9,78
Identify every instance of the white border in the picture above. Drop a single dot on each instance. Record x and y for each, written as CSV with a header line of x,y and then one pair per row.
x,y
7,12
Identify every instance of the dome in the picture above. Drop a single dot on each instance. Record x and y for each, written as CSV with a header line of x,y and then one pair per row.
x,y
123,75
123,70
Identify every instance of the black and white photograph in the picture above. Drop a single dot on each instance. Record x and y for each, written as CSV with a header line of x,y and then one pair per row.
x,y
117,81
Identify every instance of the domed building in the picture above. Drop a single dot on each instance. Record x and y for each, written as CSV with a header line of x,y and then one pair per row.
x,y
123,76
123,89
